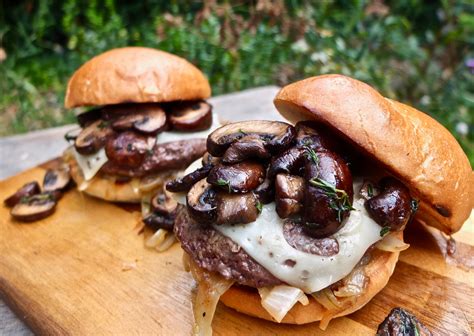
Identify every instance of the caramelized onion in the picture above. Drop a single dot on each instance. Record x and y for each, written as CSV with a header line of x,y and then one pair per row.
x,y
279,300
352,285
210,288
161,240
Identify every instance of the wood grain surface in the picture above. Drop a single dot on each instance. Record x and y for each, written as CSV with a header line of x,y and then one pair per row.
x,y
84,270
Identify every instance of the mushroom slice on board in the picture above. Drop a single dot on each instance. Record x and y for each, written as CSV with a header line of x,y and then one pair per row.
x,y
34,208
56,179
276,135
27,190
191,116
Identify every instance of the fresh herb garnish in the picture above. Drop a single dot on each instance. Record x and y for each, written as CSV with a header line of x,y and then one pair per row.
x,y
414,204
242,132
384,231
370,190
223,183
339,200
259,206
311,154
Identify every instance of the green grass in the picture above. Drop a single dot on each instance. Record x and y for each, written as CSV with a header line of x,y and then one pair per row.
x,y
410,50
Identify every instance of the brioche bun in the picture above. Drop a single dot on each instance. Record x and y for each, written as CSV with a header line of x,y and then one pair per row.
x,y
106,188
135,75
378,271
408,143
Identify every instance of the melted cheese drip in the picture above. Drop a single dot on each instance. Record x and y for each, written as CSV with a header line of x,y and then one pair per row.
x,y
263,240
91,164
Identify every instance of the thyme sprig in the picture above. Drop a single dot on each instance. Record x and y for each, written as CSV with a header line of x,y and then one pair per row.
x,y
311,154
338,198
259,206
224,183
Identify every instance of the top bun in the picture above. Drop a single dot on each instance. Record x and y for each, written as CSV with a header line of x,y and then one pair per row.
x,y
408,143
135,75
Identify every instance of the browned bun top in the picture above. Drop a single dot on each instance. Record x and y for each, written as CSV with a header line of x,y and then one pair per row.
x,y
408,143
135,75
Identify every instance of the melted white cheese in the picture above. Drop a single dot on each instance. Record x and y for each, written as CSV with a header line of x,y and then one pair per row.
x,y
263,240
90,164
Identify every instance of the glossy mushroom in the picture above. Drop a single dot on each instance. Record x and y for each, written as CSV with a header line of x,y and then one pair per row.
x,y
392,207
201,202
289,194
34,208
56,179
289,162
186,182
145,118
248,147
27,190
93,137
328,194
238,178
276,135
127,149
191,116
86,118
236,208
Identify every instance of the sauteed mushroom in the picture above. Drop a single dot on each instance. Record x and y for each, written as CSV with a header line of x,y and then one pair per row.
x,y
392,206
208,159
87,118
191,116
238,178
145,118
34,208
186,182
310,133
236,208
248,147
93,137
201,202
288,162
289,193
157,221
163,203
265,192
276,135
56,179
127,149
328,194
27,190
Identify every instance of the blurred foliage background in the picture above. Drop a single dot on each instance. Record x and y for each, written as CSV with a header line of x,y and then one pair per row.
x,y
418,52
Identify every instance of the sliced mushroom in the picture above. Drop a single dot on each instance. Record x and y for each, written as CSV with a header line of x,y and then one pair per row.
x,y
34,208
201,203
127,149
248,147
27,190
392,206
238,178
276,135
328,194
93,137
87,118
208,159
56,179
157,221
289,194
186,182
236,209
288,162
191,116
72,135
163,203
265,192
145,118
310,133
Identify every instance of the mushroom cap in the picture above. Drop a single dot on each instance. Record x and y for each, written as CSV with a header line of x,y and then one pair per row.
x,y
135,75
408,143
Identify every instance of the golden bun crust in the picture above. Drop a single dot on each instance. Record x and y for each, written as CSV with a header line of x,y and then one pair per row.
x,y
378,270
135,75
408,143
107,189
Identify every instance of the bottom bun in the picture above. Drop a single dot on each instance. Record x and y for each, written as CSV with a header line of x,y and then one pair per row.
x,y
378,271
106,188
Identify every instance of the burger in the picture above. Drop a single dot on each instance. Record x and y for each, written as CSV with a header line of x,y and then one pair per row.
x,y
146,120
303,222
149,121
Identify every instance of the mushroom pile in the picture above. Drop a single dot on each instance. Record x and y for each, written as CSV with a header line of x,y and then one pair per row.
x,y
128,131
31,202
252,163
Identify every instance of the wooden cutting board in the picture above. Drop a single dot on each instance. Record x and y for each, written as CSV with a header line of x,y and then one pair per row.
x,y
84,270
